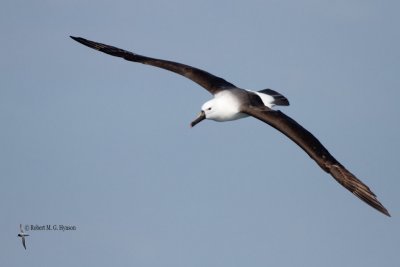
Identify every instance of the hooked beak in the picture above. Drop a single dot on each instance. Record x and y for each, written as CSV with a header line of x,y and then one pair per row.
x,y
199,118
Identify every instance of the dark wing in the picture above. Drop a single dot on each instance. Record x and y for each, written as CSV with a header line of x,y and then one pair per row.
x,y
211,83
310,144
23,241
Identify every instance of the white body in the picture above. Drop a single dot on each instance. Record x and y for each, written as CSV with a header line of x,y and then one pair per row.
x,y
225,106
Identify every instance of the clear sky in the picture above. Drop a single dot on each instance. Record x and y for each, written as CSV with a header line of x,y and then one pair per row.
x,y
102,144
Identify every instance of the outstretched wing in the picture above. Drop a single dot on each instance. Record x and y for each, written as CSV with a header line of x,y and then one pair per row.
x,y
23,241
210,82
310,144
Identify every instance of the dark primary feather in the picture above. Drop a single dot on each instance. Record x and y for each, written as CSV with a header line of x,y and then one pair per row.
x,y
310,144
210,82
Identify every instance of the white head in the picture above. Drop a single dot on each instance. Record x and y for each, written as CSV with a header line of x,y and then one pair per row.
x,y
224,107
207,112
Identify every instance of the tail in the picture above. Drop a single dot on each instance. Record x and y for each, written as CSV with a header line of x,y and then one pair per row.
x,y
279,99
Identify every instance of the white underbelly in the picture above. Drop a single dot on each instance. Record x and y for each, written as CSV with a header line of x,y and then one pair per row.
x,y
231,117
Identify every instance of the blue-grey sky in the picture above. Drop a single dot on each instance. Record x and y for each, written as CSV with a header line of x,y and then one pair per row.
x,y
103,144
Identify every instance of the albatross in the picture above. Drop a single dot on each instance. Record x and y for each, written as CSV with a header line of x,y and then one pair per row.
x,y
231,103
22,234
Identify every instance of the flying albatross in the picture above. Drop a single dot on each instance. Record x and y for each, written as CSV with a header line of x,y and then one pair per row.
x,y
232,103
22,234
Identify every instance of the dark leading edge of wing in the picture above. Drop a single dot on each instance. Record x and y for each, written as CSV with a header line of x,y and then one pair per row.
x,y
310,144
211,83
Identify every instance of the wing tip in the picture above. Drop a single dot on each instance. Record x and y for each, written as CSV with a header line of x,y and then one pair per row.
x,y
383,210
357,187
79,40
374,203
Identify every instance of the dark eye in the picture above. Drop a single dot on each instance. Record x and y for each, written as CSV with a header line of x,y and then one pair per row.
x,y
209,108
